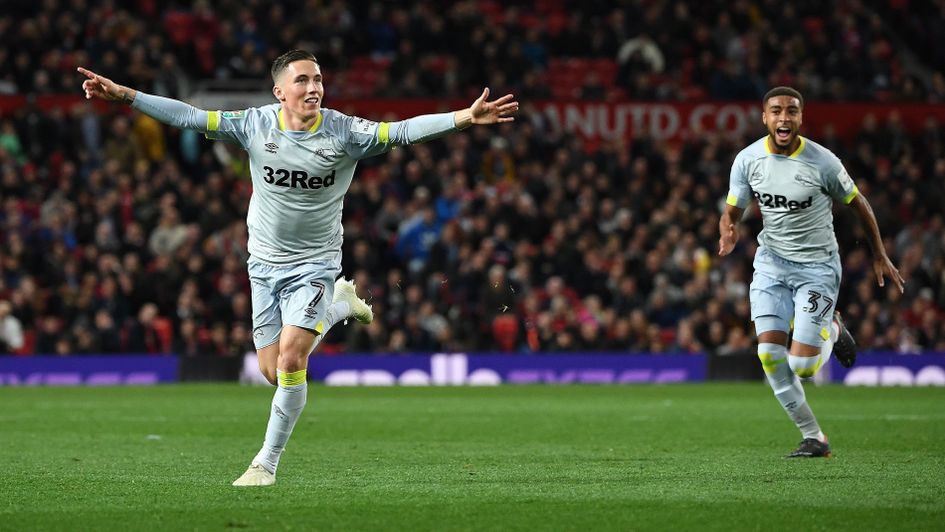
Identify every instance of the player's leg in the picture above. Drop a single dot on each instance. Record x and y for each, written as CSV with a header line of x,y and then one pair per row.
x,y
287,404
773,355
291,394
268,358
267,328
772,307
814,335
304,293
302,299
844,344
785,384
805,360
837,339
345,304
267,317
816,329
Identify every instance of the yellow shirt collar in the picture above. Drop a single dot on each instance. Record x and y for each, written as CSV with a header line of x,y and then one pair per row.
x,y
800,147
313,129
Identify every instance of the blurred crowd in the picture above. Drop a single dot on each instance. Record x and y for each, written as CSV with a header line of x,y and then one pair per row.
x,y
644,49
504,239
118,234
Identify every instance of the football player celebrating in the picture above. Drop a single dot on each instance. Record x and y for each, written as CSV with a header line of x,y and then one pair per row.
x,y
797,266
302,159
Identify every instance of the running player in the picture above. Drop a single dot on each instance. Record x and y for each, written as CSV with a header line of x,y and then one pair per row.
x,y
302,159
797,266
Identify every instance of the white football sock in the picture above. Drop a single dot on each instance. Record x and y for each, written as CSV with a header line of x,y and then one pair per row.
x,y
287,405
337,311
833,330
788,390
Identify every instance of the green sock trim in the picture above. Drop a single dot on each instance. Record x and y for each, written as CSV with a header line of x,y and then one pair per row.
x,y
290,379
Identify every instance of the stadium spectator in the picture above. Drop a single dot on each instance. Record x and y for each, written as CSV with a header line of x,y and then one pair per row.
x,y
11,330
107,335
407,42
144,335
626,220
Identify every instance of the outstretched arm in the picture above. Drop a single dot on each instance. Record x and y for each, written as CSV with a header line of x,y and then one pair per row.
x,y
485,112
728,229
166,110
101,87
882,265
428,127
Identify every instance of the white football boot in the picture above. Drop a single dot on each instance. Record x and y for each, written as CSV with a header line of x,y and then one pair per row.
x,y
346,291
256,475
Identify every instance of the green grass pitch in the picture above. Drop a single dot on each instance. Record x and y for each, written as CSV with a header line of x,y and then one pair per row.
x,y
681,457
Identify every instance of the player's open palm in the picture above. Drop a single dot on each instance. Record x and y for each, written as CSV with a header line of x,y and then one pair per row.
x,y
500,110
99,86
727,240
883,267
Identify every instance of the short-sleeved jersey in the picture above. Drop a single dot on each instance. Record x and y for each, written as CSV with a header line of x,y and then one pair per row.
x,y
795,194
299,178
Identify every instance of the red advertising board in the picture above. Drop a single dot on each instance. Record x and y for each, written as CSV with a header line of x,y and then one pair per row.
x,y
674,121
602,121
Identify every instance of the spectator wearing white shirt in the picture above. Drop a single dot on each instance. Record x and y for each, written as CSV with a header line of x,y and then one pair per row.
x,y
11,330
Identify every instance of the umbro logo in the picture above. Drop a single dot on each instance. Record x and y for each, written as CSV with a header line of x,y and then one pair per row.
x,y
271,147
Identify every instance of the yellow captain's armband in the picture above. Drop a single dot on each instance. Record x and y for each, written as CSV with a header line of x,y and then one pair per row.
x,y
732,200
849,197
213,120
383,132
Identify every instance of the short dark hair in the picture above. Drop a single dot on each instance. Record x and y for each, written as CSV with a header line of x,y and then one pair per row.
x,y
282,62
783,91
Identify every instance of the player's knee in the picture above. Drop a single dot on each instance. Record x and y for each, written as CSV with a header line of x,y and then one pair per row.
x,y
292,360
772,356
294,350
804,367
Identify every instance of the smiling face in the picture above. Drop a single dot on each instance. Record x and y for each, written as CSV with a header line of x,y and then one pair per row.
x,y
783,116
299,88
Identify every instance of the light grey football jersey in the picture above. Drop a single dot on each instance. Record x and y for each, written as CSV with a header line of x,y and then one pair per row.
x,y
795,194
299,178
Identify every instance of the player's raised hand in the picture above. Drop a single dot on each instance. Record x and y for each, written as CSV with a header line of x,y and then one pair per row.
x,y
727,240
101,87
500,110
882,267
